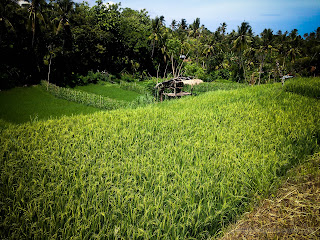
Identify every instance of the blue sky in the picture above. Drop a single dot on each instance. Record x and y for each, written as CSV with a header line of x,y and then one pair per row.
x,y
284,15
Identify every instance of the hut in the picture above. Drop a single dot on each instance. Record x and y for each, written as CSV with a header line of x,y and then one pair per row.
x,y
176,85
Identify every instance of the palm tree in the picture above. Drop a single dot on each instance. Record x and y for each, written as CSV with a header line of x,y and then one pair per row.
x,y
183,24
265,48
195,28
173,24
64,7
222,29
293,48
36,15
241,43
62,31
157,25
6,8
293,53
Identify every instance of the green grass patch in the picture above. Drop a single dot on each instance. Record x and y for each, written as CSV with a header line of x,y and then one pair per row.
x,y
85,98
177,170
110,90
21,105
304,86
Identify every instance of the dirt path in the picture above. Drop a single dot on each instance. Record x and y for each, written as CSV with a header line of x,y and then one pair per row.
x,y
294,213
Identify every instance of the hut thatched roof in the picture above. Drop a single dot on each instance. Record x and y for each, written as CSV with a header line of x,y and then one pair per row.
x,y
184,80
192,82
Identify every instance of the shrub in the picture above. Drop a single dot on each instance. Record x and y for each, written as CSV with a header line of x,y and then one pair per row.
x,y
127,77
133,86
193,69
220,74
95,77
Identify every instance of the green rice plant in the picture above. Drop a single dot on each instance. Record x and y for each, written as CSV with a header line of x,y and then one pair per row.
x,y
177,170
24,104
133,86
304,86
109,90
86,98
213,86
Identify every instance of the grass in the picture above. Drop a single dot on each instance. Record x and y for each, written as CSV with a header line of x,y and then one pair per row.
x,y
181,169
85,98
21,105
110,90
305,86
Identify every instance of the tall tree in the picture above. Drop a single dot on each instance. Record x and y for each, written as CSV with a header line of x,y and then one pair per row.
x,y
157,25
241,43
7,7
64,8
36,16
264,49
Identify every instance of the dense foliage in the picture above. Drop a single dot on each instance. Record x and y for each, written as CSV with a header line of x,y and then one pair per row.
x,y
60,41
177,170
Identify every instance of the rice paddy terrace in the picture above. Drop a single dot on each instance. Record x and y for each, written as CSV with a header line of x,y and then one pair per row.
x,y
181,169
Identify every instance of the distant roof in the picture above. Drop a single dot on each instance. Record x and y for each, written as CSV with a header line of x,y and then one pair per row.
x,y
23,3
192,81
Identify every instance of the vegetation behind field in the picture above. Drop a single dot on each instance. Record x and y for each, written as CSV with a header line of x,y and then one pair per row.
x,y
69,43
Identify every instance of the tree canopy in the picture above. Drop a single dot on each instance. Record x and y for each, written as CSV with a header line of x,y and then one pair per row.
x,y
64,39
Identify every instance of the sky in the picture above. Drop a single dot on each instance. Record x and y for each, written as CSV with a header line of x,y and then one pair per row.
x,y
284,15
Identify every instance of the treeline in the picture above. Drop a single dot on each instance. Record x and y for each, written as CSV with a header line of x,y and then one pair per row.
x,y
59,40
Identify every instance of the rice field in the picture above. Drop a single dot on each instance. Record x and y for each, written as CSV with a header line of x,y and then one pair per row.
x,y
214,86
305,86
95,100
25,104
111,91
181,169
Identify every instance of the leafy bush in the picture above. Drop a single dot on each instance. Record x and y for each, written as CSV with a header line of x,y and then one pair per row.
x,y
237,74
126,77
220,74
133,86
95,77
194,70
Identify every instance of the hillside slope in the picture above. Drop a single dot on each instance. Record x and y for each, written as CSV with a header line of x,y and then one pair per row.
x,y
180,169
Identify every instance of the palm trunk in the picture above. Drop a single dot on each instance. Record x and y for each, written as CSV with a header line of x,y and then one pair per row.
x,y
158,72
165,71
172,65
244,70
261,66
49,71
153,48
